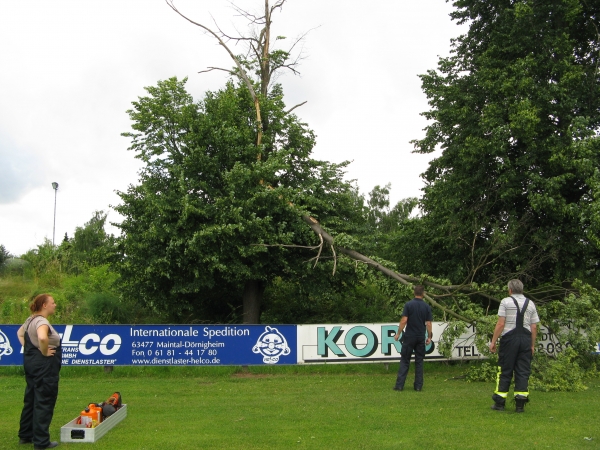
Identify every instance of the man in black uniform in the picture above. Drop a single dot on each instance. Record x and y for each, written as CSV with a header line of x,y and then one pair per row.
x,y
517,323
417,318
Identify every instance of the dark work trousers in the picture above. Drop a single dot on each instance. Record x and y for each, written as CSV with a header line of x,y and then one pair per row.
x,y
514,357
41,375
408,346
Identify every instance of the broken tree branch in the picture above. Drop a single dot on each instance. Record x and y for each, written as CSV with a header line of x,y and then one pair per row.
x,y
242,72
316,227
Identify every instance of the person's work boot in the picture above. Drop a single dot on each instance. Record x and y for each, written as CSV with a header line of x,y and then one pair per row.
x,y
50,445
520,401
499,402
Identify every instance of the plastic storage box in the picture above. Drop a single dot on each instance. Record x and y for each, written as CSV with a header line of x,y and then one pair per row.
x,y
73,432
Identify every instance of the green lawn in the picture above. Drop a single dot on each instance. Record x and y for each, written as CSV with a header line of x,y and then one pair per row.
x,y
343,407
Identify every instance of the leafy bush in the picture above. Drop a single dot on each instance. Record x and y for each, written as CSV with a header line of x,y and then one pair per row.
x,y
326,299
576,320
106,307
561,373
486,371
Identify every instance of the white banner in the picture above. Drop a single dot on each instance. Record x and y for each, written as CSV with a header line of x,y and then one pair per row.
x,y
374,342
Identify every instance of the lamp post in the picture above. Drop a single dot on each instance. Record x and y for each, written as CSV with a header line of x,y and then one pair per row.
x,y
55,187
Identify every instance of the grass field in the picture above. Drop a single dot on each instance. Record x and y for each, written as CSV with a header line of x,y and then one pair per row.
x,y
333,407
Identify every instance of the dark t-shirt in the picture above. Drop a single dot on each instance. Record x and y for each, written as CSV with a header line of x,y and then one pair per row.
x,y
418,312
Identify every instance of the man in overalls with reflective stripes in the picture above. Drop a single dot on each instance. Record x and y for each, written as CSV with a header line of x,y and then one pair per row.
x,y
517,322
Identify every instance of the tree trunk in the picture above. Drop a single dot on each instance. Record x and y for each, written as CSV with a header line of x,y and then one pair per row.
x,y
253,292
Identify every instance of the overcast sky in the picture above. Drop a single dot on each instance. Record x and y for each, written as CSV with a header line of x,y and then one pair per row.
x,y
70,70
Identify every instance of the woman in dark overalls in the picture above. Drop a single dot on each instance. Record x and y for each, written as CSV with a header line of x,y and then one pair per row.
x,y
42,361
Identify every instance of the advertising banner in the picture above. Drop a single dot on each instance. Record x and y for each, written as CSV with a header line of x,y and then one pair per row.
x,y
350,343
163,345
213,345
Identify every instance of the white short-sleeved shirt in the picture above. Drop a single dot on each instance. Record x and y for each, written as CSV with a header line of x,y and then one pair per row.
x,y
509,311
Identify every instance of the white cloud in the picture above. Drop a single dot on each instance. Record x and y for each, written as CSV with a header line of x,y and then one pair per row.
x,y
71,69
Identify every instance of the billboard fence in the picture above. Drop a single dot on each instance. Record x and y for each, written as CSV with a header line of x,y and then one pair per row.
x,y
213,345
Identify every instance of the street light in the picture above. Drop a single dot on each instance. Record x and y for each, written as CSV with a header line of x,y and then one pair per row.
x,y
55,187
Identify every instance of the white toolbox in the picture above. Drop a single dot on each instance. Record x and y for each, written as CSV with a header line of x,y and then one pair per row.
x,y
73,432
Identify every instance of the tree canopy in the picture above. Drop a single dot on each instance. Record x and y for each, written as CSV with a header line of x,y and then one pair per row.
x,y
4,255
210,200
515,111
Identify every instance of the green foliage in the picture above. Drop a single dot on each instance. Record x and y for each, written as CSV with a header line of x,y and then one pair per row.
x,y
13,310
48,265
449,336
95,279
561,373
317,297
4,256
44,264
484,330
74,274
380,217
576,320
89,297
375,230
90,246
516,112
16,292
486,372
106,307
210,202
14,266
15,286
573,321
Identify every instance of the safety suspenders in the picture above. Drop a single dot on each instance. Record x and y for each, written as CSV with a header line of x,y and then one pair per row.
x,y
520,314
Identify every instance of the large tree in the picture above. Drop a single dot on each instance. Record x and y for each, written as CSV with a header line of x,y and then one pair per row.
x,y
515,111
196,229
247,151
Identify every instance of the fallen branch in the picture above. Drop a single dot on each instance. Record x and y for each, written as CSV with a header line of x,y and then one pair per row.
x,y
317,229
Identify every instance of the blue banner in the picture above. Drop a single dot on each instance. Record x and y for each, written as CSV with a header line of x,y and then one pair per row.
x,y
164,345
